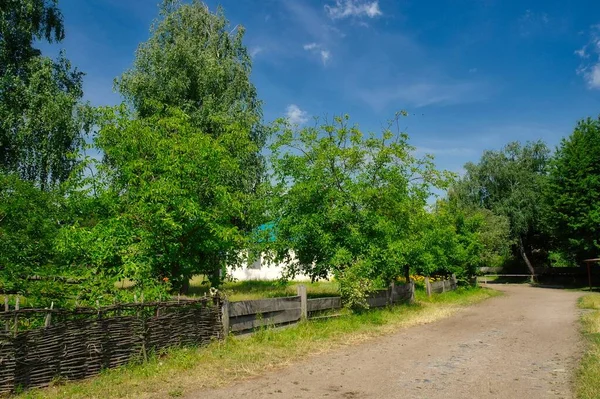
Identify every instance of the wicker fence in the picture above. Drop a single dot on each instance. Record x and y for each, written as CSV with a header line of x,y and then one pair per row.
x,y
40,345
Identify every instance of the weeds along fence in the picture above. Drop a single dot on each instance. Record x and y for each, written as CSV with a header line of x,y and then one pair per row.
x,y
38,346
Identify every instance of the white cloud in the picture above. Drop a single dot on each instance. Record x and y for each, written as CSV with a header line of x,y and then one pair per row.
x,y
353,8
582,52
254,51
590,59
295,115
422,94
316,48
593,77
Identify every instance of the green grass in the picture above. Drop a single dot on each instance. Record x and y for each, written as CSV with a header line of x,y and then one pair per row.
x,y
588,375
185,370
257,289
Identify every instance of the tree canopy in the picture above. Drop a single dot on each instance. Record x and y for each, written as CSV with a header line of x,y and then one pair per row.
x,y
342,197
41,116
195,61
511,182
574,192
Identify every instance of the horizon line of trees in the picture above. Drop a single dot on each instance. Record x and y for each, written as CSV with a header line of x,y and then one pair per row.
x,y
184,182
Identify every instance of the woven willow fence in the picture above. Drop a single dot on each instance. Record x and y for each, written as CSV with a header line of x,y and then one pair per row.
x,y
40,345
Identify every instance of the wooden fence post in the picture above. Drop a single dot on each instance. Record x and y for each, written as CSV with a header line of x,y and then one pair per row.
x,y
16,316
49,316
225,318
6,308
412,291
427,286
392,293
454,283
301,289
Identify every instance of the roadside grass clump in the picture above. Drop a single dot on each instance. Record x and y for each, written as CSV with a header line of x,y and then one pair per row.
x,y
174,372
588,375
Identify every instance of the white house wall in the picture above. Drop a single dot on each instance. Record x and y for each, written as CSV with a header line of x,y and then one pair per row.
x,y
261,270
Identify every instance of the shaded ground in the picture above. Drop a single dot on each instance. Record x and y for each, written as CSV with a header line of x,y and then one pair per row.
x,y
522,345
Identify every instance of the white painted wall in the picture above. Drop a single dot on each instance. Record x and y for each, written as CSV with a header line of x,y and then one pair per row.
x,y
261,270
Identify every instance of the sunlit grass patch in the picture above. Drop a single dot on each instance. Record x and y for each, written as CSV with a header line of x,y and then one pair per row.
x,y
588,375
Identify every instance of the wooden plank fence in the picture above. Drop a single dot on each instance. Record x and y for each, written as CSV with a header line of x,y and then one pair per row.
x,y
245,316
248,315
442,286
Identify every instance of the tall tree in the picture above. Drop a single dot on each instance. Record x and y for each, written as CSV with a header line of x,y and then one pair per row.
x,y
21,23
172,210
41,117
345,200
196,62
511,182
575,191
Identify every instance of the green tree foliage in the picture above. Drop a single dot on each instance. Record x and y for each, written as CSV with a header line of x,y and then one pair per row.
x,y
346,202
196,62
172,208
575,191
21,23
41,117
511,183
29,222
28,218
458,239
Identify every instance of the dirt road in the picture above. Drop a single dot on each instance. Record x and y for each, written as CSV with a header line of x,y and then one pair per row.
x,y
522,345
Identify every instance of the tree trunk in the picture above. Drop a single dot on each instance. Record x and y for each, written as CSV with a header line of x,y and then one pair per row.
x,y
526,259
185,286
407,274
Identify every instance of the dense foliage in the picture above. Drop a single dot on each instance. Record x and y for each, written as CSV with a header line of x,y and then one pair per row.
x,y
511,183
41,117
173,210
574,192
195,61
344,199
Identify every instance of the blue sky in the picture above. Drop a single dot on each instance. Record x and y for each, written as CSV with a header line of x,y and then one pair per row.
x,y
473,74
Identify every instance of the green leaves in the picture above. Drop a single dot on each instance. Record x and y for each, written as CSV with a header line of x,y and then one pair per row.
x,y
41,117
343,198
511,183
176,210
196,62
573,193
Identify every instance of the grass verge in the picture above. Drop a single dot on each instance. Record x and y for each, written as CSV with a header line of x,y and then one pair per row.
x,y
183,370
587,384
259,289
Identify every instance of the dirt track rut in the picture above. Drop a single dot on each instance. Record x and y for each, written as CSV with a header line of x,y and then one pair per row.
x,y
524,344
